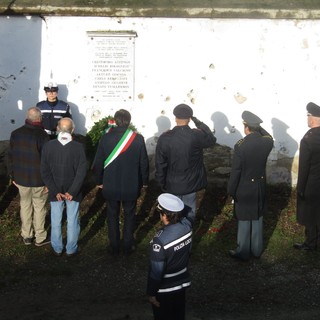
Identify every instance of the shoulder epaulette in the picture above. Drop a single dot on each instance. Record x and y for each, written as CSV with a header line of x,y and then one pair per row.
x,y
239,142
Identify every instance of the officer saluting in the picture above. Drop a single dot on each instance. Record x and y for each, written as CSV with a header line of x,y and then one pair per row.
x,y
168,274
247,186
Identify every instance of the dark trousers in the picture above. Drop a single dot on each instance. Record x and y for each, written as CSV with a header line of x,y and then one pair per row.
x,y
312,233
172,306
113,215
250,238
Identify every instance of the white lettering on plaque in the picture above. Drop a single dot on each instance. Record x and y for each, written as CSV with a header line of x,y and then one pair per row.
x,y
111,72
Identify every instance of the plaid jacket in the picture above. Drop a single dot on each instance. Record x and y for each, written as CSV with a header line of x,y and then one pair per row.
x,y
24,156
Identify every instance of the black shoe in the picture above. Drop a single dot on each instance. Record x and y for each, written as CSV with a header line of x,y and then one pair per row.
x,y
70,255
57,254
235,255
303,246
128,251
43,242
114,251
27,241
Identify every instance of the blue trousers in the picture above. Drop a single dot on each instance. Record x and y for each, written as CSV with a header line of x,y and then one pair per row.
x,y
73,225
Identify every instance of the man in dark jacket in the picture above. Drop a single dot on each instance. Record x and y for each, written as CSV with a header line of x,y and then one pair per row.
x,y
121,168
63,169
247,186
308,186
168,275
53,109
26,144
179,157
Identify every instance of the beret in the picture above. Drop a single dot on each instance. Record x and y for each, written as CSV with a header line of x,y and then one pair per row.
x,y
251,119
313,109
183,111
170,202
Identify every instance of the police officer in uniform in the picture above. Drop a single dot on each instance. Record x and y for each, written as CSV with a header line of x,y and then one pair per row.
x,y
308,185
168,275
247,186
53,109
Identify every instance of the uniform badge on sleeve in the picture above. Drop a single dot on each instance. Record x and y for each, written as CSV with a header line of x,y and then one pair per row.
x,y
156,247
158,234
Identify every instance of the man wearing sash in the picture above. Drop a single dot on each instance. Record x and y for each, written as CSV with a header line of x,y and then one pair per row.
x,y
121,169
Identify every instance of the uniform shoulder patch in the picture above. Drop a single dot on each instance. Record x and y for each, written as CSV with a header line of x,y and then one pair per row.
x,y
156,247
158,234
240,142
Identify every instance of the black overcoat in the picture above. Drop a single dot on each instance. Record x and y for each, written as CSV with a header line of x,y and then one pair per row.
x,y
179,159
125,176
308,185
247,183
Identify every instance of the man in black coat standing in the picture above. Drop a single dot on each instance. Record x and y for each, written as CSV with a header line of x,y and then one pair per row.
x,y
247,186
179,157
308,186
121,168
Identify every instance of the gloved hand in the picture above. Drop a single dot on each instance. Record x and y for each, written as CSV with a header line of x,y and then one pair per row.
x,y
196,121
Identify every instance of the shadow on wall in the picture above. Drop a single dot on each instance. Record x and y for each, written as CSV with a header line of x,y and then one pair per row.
x,y
285,148
20,43
225,133
163,124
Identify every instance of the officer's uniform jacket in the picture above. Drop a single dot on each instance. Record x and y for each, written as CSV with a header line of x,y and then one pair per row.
x,y
169,255
308,184
52,112
247,183
179,159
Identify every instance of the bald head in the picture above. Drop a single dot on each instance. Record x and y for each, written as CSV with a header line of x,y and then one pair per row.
x,y
65,125
34,114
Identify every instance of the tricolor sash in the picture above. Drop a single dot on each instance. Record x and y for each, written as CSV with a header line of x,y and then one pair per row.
x,y
121,146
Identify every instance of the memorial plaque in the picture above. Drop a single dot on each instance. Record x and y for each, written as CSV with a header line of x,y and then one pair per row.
x,y
111,61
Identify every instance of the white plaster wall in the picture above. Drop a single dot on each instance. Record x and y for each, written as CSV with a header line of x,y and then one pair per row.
x,y
219,67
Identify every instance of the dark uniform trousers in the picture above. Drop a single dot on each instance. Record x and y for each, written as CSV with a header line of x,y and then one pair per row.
x,y
172,306
113,214
312,236
250,238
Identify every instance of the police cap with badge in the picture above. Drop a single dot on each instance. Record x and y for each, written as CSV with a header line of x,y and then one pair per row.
x,y
169,204
51,87
313,109
251,120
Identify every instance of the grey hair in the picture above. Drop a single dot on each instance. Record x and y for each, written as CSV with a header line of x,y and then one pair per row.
x,y
65,125
34,114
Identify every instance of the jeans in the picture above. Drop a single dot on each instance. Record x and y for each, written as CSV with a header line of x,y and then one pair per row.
x,y
73,225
